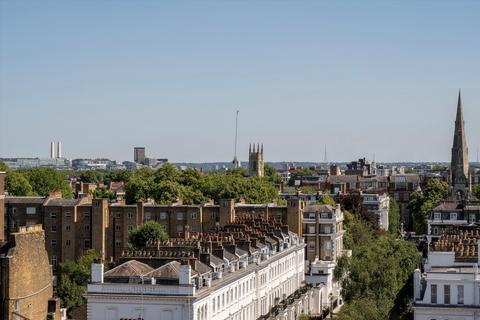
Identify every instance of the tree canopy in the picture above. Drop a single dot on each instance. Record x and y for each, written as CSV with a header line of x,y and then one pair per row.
x,y
149,231
394,218
327,199
374,278
36,181
167,185
74,277
476,192
422,203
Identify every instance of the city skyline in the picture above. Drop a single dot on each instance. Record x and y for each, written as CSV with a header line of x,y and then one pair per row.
x,y
364,79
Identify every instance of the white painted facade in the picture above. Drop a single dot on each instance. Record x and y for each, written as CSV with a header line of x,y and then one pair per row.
x,y
244,294
378,204
449,294
448,290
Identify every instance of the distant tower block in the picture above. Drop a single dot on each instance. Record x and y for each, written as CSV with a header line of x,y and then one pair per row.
x,y
59,149
256,166
139,155
52,150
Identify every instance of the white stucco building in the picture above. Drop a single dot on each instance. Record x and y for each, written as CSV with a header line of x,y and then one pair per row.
x,y
266,279
449,289
379,205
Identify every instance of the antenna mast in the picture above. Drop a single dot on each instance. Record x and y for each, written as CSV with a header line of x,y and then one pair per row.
x,y
235,161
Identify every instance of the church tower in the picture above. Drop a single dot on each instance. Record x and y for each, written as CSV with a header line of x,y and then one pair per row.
x,y
459,172
256,166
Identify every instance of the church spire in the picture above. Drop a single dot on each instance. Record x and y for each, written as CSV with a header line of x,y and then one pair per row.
x,y
460,180
459,108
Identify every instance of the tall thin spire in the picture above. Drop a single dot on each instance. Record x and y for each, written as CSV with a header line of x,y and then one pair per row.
x,y
459,108
460,179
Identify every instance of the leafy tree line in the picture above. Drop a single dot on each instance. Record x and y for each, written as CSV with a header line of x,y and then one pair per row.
x,y
376,279
167,185
36,181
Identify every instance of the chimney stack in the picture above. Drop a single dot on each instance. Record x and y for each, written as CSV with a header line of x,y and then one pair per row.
x,y
52,150
59,149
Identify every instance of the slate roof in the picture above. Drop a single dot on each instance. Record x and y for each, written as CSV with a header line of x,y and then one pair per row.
x,y
449,205
229,256
170,270
131,268
318,208
60,202
26,200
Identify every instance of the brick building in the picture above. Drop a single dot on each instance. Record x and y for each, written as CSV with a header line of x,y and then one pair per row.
x,y
73,226
26,277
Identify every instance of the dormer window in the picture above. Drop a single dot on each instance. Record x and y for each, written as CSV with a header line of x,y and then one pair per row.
x,y
473,218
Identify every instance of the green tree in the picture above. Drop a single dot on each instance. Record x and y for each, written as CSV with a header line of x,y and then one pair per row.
x,y
149,231
307,190
272,175
74,277
362,309
91,176
422,203
140,185
3,167
394,218
166,192
476,191
167,172
327,199
103,193
44,181
17,184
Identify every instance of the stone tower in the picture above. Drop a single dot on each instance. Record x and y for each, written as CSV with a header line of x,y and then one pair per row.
x,y
256,166
459,173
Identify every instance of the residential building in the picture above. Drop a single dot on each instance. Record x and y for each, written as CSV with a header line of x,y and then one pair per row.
x,y
26,277
249,269
322,229
448,289
379,205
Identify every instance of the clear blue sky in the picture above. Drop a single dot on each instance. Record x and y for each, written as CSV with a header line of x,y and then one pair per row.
x,y
362,77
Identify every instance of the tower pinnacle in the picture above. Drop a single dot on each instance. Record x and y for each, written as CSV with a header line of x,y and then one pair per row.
x,y
460,179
